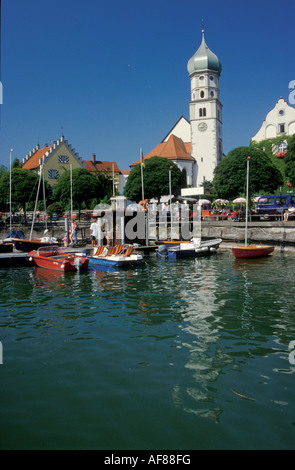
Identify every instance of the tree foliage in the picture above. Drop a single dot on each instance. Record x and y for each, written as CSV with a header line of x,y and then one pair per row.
x,y
85,187
24,186
290,161
155,179
230,174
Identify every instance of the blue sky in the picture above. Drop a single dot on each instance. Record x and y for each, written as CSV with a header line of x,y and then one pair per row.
x,y
112,75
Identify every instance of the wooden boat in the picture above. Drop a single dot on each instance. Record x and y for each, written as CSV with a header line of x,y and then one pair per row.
x,y
118,256
52,257
28,244
250,251
193,249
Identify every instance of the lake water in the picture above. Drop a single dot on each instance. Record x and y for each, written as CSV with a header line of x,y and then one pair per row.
x,y
188,354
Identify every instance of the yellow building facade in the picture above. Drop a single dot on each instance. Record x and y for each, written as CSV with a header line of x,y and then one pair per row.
x,y
57,158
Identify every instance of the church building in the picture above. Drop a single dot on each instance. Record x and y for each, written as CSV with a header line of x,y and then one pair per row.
x,y
195,145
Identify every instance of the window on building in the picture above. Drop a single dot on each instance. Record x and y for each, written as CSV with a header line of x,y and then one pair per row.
x,y
202,112
52,174
282,146
281,128
202,94
63,159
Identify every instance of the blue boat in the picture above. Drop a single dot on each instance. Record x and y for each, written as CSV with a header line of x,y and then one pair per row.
x,y
117,257
193,249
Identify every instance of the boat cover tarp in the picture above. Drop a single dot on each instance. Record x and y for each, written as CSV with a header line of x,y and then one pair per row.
x,y
16,234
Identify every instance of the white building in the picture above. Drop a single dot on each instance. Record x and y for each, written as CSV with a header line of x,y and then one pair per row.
x,y
279,121
205,108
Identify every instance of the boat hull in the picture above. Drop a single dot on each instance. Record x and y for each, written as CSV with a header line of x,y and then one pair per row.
x,y
23,244
114,261
252,251
63,262
6,247
206,248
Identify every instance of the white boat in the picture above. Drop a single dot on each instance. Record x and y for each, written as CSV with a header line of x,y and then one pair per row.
x,y
193,249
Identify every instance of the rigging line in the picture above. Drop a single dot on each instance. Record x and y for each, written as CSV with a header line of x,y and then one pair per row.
x,y
1,86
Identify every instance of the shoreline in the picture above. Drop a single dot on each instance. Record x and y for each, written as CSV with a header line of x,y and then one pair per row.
x,y
278,233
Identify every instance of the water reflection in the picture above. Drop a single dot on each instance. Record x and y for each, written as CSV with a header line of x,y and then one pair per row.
x,y
187,331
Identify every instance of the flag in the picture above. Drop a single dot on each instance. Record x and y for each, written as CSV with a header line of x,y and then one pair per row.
x,y
141,159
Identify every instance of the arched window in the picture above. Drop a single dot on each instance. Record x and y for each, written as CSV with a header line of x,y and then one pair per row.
x,y
202,94
202,112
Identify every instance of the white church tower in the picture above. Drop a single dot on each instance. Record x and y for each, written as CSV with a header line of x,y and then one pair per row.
x,y
204,70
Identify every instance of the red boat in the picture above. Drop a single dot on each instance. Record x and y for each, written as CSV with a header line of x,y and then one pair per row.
x,y
52,257
252,251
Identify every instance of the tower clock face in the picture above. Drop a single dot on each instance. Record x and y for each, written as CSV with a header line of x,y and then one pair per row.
x,y
202,126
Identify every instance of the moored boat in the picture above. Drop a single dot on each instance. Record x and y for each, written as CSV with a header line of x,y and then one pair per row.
x,y
21,243
118,256
52,257
252,251
194,249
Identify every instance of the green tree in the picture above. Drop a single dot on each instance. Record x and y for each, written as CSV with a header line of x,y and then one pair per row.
x,y
290,161
16,163
85,187
230,174
24,185
155,179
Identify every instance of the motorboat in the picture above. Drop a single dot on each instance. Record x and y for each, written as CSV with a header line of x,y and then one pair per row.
x,y
193,249
52,257
117,256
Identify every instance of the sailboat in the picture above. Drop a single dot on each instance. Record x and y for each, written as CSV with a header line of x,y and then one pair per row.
x,y
28,244
250,251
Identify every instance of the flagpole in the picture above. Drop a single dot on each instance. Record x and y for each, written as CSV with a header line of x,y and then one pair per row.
x,y
142,187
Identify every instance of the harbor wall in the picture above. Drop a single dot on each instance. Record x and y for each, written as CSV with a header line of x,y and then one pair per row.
x,y
278,233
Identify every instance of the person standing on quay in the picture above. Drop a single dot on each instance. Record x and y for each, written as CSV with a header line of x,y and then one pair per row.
x,y
74,228
94,232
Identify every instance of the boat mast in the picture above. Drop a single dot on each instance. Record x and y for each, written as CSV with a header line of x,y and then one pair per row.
x,y
44,201
10,207
71,190
170,203
36,202
247,199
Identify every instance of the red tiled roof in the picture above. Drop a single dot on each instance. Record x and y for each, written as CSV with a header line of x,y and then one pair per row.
x,y
33,162
101,166
173,149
